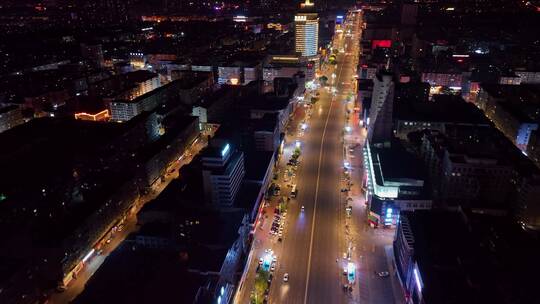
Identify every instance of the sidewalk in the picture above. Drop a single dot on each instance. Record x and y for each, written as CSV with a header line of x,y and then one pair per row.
x,y
92,265
372,248
262,239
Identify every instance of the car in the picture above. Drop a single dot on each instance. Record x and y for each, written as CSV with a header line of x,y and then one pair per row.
x,y
108,241
286,277
270,277
303,208
383,274
279,239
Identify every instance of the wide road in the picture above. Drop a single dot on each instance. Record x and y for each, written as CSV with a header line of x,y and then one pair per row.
x,y
315,239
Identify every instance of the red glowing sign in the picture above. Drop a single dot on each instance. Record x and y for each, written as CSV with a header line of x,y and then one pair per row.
x,y
381,43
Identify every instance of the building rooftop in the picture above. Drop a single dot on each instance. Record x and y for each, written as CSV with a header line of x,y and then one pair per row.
x,y
443,108
135,275
396,164
487,143
267,123
480,259
256,164
138,76
44,173
266,102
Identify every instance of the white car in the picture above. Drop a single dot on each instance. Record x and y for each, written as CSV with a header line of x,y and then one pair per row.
x,y
286,277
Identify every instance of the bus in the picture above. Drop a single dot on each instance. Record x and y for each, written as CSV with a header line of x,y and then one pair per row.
x,y
294,192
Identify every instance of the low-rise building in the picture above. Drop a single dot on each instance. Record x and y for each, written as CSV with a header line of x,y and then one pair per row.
x,y
479,168
175,93
458,257
514,109
394,181
283,66
531,77
127,86
443,79
10,116
442,111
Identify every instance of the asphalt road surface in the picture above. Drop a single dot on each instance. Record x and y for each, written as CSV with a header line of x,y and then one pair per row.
x,y
315,237
315,240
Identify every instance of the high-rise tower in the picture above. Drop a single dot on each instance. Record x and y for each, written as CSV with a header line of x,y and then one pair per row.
x,y
307,31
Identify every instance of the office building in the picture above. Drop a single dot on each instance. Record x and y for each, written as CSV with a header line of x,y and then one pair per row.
x,y
223,171
307,33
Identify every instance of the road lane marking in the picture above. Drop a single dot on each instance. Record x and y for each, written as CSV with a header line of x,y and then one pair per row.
x,y
317,189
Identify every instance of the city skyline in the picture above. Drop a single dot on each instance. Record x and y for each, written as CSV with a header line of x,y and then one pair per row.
x,y
269,152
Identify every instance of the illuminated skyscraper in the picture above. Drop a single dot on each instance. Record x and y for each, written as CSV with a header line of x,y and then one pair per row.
x,y
307,31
